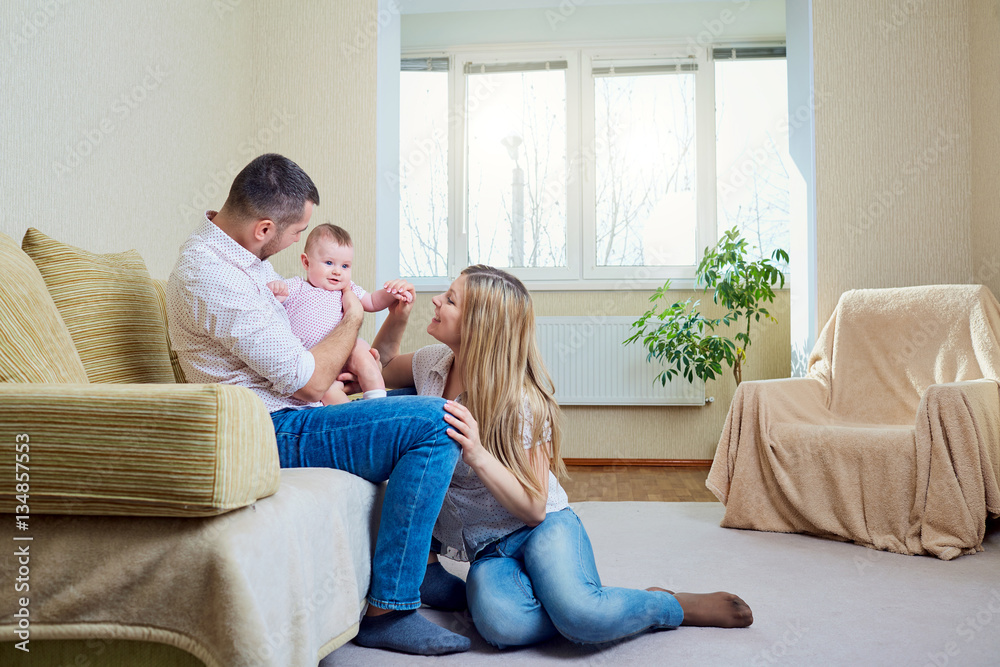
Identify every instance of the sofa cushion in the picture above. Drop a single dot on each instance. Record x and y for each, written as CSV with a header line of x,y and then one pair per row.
x,y
161,297
110,307
138,449
36,345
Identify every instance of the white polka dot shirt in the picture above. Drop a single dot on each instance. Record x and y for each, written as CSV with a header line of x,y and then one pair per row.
x,y
471,517
313,311
225,324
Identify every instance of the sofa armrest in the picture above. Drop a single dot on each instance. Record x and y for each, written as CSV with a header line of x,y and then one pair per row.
x,y
136,449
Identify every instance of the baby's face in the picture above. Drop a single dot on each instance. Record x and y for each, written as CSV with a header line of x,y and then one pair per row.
x,y
328,265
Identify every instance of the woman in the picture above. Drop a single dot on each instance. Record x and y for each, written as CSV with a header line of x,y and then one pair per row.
x,y
532,574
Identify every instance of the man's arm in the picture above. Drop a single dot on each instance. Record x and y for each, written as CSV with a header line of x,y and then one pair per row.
x,y
332,352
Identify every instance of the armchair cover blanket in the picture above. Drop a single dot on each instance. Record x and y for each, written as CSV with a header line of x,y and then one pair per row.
x,y
892,440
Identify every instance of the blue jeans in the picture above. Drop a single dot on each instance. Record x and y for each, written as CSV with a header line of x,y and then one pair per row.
x,y
537,582
402,440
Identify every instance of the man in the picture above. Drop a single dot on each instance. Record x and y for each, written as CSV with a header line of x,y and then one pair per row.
x,y
226,326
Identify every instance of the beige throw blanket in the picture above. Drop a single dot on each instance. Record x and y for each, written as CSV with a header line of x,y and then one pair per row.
x,y
893,438
280,583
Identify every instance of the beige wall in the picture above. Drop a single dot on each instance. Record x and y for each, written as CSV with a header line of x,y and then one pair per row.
x,y
984,72
121,147
906,144
232,80
645,432
207,86
113,119
317,68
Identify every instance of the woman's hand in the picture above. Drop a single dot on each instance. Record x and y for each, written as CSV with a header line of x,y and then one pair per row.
x,y
500,481
405,294
465,431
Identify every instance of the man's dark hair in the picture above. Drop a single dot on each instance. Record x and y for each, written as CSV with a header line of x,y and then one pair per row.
x,y
272,187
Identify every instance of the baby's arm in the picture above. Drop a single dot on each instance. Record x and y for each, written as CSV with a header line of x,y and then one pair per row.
x,y
394,290
279,288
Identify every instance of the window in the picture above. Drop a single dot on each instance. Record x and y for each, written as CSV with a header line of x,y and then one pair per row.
x,y
516,150
423,168
645,184
586,168
751,102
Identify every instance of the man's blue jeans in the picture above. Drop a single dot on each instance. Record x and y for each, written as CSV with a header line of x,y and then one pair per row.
x,y
536,582
402,440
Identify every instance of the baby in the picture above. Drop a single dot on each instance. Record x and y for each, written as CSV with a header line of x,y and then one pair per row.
x,y
315,306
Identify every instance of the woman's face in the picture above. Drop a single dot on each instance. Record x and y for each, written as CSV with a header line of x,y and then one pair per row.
x,y
447,323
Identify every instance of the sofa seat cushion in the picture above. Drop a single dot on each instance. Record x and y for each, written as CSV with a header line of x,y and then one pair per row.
x,y
35,345
280,583
110,307
138,449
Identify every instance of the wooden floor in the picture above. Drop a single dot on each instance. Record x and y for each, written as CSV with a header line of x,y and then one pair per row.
x,y
646,483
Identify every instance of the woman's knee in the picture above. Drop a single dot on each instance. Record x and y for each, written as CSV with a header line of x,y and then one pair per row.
x,y
583,621
503,609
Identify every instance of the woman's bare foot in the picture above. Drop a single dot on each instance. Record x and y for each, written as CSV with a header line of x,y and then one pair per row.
x,y
657,588
717,610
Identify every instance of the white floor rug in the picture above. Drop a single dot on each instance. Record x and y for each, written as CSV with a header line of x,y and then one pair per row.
x,y
815,601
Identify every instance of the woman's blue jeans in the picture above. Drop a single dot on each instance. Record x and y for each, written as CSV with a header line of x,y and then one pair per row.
x,y
536,582
402,440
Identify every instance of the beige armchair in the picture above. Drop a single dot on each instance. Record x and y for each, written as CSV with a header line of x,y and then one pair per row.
x,y
892,440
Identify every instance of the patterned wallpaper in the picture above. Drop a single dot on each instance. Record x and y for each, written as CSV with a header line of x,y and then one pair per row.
x,y
894,143
123,124
985,74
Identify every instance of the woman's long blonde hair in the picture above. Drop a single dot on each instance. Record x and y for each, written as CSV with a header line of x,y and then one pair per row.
x,y
503,368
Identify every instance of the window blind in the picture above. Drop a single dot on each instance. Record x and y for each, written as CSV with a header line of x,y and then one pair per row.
x,y
423,65
484,68
612,68
747,52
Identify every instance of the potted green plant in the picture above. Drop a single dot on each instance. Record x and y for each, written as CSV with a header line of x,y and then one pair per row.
x,y
685,340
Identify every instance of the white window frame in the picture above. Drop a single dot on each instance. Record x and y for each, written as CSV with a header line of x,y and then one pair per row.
x,y
581,272
705,228
457,172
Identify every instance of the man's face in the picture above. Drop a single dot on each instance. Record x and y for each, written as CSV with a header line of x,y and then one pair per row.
x,y
289,235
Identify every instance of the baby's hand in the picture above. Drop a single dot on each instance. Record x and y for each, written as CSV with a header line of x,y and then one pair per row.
x,y
401,289
279,288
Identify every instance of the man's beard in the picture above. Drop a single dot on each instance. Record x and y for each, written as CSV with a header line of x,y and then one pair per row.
x,y
271,247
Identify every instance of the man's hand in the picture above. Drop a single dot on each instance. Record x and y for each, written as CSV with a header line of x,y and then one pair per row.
x,y
353,310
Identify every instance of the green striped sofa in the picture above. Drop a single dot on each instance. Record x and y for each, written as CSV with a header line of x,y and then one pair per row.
x,y
150,521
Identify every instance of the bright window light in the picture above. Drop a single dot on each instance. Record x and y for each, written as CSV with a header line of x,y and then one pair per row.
x,y
423,174
645,164
752,161
517,168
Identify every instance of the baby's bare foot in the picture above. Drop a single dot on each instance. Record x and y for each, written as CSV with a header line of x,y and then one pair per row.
x,y
717,610
335,394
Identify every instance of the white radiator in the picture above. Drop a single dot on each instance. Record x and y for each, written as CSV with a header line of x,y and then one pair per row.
x,y
590,366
